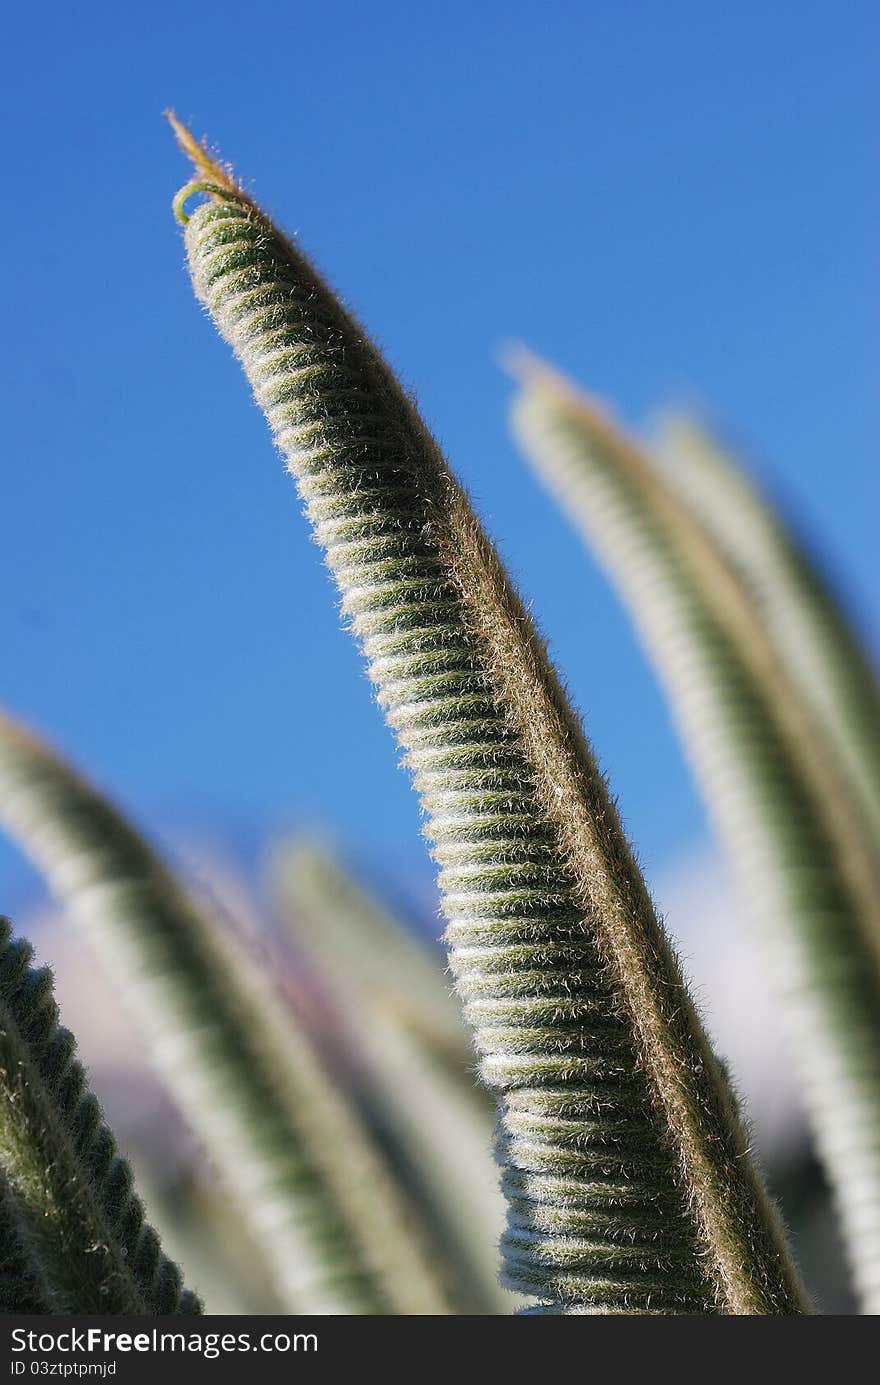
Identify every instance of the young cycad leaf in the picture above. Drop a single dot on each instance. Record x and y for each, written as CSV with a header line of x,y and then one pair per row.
x,y
769,775
301,1165
801,611
73,1238
392,1002
341,924
629,1184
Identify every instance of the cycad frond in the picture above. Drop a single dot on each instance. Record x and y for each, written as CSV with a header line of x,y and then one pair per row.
x,y
73,1238
392,1001
341,923
292,1151
800,609
626,1167
770,777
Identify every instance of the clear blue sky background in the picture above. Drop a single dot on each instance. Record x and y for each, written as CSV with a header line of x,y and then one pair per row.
x,y
671,200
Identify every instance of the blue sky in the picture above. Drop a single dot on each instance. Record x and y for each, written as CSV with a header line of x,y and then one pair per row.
x,y
673,201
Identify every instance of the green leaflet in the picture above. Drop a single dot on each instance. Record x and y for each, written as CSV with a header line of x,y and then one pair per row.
x,y
800,610
296,1159
628,1183
393,1001
73,1238
768,775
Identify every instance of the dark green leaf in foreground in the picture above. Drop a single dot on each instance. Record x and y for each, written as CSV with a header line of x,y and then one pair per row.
x,y
73,1238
